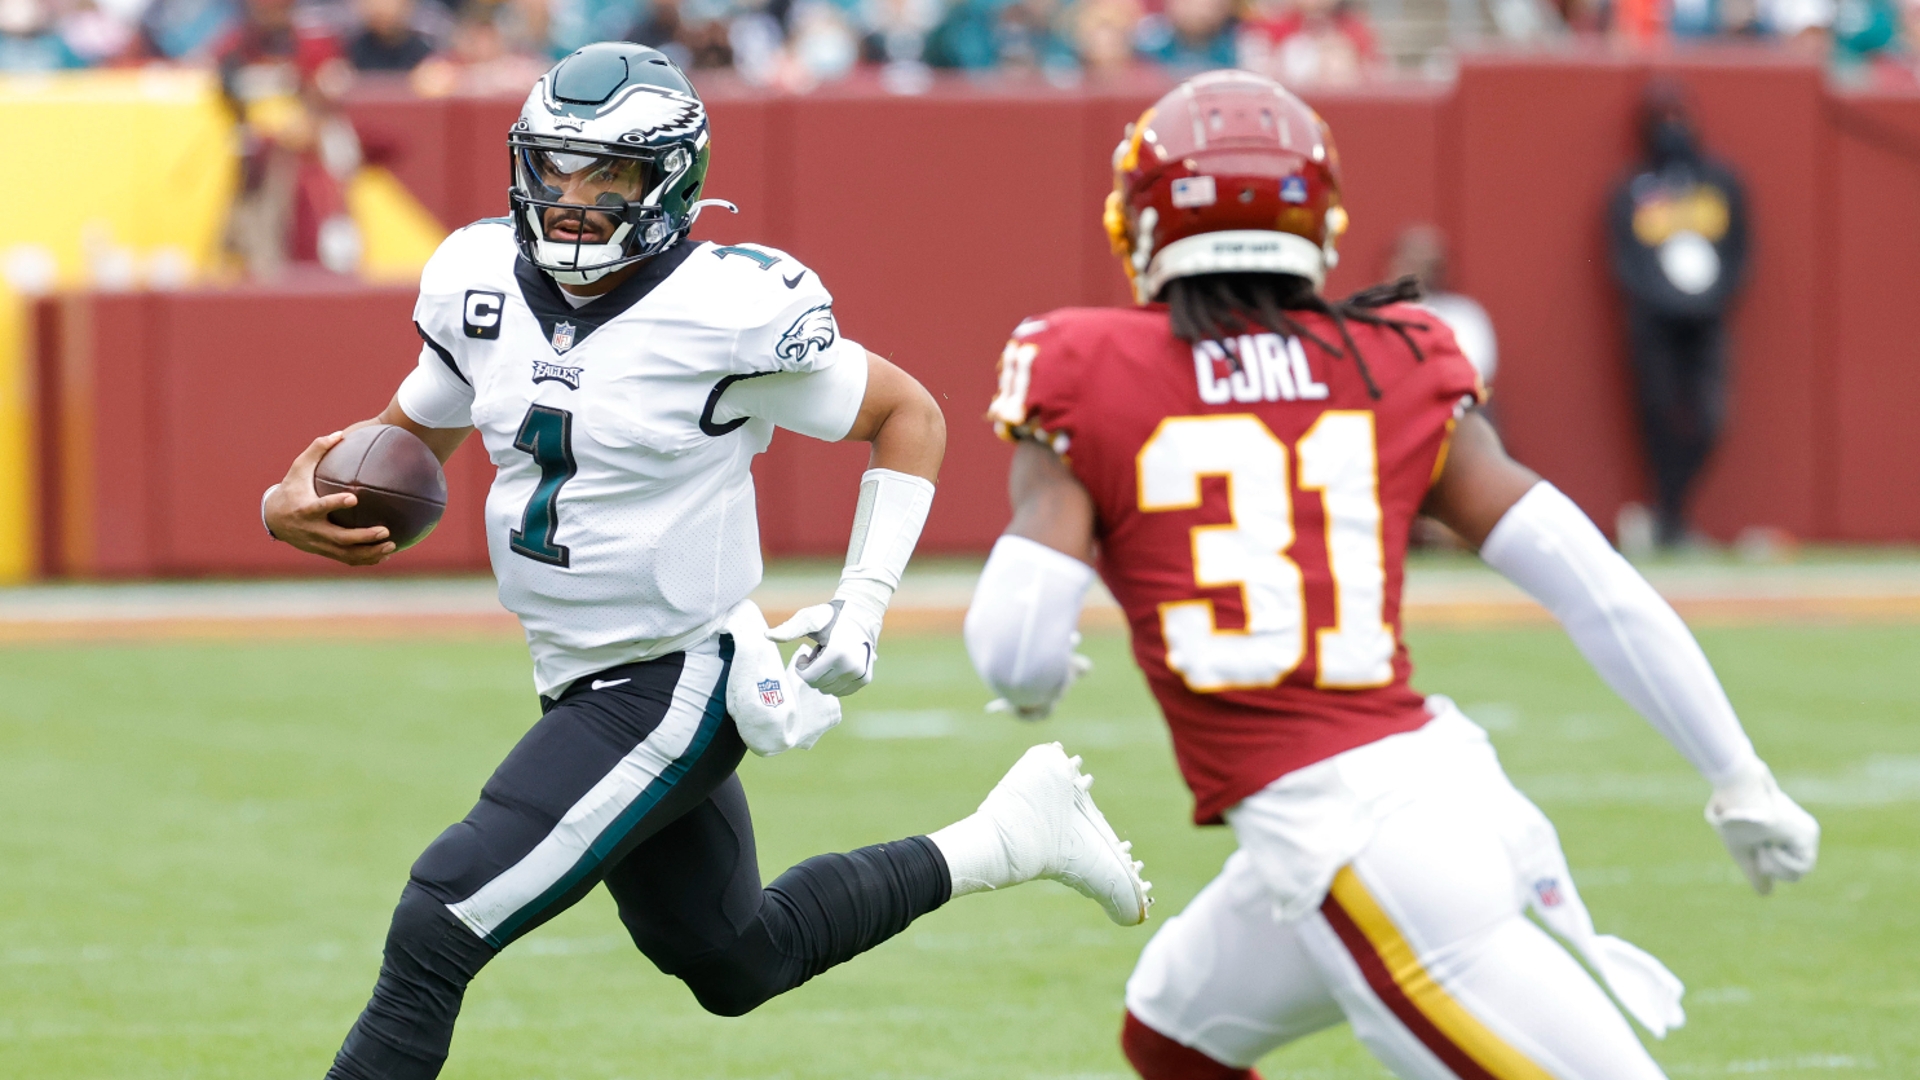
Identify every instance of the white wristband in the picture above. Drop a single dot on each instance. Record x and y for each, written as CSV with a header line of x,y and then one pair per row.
x,y
886,525
264,496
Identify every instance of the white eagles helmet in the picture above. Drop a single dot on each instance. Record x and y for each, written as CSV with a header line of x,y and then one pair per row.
x,y
609,156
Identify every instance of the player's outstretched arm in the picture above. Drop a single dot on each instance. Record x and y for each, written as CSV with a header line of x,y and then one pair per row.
x,y
1535,536
293,512
1021,628
909,437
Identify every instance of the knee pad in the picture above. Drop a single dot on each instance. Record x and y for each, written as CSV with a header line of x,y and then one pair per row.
x,y
1156,1057
426,937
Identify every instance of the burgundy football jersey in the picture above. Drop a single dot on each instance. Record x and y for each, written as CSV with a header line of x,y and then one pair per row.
x,y
1253,507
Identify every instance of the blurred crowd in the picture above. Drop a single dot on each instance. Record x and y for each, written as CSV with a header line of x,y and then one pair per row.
x,y
480,46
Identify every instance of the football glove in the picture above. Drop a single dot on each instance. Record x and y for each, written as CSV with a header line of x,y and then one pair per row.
x,y
844,632
1077,665
1765,831
773,708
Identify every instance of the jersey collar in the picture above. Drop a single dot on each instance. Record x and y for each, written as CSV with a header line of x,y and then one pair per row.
x,y
551,309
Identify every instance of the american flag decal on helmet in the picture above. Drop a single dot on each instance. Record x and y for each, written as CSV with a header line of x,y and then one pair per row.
x,y
770,694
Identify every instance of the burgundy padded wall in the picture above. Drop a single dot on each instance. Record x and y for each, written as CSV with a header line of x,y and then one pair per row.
x,y
1871,365
940,221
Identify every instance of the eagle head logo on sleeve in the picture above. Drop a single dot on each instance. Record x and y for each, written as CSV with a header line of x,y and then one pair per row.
x,y
814,329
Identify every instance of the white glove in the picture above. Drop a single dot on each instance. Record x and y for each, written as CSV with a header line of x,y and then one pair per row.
x,y
1766,832
773,708
844,631
1077,665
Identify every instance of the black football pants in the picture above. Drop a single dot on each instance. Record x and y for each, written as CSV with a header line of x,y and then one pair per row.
x,y
1680,368
629,780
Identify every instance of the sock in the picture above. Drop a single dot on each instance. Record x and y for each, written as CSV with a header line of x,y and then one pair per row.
x,y
1156,1057
976,854
823,912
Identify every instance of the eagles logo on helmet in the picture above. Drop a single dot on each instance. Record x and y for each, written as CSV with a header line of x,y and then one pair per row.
x,y
625,117
1228,172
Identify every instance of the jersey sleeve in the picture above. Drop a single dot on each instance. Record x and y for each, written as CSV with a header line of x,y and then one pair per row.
x,y
1455,379
1037,394
449,311
790,324
439,391
434,394
822,404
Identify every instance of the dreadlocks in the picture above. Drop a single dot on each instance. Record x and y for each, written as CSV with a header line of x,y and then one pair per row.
x,y
1208,307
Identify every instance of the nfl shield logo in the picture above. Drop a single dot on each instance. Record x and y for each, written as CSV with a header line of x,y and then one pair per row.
x,y
1548,890
562,337
1293,189
770,695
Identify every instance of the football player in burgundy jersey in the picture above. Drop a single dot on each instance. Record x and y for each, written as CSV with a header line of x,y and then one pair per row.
x,y
1241,460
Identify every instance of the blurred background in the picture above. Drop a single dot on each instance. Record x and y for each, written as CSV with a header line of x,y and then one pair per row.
x,y
212,213
1677,236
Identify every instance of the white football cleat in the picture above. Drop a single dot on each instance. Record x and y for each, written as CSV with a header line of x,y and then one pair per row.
x,y
1050,828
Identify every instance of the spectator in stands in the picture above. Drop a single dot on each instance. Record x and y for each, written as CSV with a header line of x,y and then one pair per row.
x,y
1192,35
964,38
897,36
693,33
1034,35
96,35
283,78
388,38
757,34
1103,36
583,22
184,29
28,41
824,45
1421,252
1308,43
485,59
1678,226
1803,24
1866,35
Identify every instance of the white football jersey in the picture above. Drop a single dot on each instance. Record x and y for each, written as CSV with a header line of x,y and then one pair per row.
x,y
621,523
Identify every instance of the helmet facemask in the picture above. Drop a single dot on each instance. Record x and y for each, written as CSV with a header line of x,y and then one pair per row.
x,y
583,209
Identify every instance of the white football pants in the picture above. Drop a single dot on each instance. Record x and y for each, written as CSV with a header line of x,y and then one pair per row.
x,y
1421,944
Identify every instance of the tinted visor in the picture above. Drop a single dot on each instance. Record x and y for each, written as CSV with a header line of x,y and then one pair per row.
x,y
565,176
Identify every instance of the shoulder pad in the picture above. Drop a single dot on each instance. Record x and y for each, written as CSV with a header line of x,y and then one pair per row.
x,y
481,252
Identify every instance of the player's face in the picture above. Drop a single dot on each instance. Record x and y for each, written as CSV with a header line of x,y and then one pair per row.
x,y
586,180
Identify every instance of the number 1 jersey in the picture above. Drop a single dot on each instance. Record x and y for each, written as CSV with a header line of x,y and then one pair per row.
x,y
1253,503
621,523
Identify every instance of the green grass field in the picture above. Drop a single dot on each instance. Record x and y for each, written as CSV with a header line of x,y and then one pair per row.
x,y
199,846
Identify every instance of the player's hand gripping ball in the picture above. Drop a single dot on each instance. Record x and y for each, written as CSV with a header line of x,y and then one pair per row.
x,y
393,475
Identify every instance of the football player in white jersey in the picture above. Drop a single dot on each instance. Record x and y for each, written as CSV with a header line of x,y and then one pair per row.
x,y
622,378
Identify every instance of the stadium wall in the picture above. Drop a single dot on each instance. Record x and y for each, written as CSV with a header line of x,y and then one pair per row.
x,y
940,221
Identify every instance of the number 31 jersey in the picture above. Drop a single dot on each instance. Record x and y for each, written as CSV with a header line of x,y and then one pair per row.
x,y
1253,502
621,523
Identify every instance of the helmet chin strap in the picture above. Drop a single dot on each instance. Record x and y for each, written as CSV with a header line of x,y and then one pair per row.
x,y
586,263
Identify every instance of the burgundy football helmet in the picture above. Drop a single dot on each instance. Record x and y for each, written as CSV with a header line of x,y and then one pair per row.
x,y
1228,172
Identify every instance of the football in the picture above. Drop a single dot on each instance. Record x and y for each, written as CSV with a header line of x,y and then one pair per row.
x,y
396,476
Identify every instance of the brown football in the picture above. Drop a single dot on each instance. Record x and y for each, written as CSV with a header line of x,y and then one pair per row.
x,y
397,478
